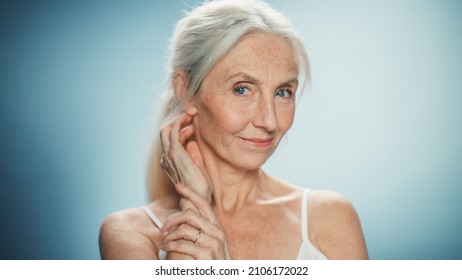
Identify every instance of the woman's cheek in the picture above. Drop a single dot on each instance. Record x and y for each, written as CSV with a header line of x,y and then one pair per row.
x,y
233,118
286,117
216,121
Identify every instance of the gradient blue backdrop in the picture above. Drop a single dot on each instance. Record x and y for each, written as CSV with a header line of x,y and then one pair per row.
x,y
80,80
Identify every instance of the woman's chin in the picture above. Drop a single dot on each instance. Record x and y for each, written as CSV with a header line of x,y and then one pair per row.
x,y
250,163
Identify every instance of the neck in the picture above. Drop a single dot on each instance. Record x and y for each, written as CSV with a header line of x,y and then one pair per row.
x,y
237,190
234,188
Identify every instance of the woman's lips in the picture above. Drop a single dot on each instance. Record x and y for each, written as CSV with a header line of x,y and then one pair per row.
x,y
258,142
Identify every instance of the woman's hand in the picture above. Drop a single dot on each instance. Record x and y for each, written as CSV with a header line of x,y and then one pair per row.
x,y
195,233
182,160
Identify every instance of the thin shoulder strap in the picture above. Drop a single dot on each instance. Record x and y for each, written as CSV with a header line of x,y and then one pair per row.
x,y
304,214
162,255
153,217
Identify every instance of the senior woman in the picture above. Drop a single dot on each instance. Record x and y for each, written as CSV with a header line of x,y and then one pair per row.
x,y
236,70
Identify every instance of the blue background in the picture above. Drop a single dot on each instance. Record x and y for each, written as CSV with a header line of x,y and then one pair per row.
x,y
80,80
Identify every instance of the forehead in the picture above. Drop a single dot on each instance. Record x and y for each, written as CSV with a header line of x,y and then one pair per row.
x,y
261,54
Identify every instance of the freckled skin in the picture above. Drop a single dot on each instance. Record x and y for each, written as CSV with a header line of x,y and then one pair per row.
x,y
246,95
225,117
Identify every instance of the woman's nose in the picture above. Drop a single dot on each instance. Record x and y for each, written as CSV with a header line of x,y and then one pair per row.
x,y
265,114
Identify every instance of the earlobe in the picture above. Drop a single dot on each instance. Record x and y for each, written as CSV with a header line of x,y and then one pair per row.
x,y
190,108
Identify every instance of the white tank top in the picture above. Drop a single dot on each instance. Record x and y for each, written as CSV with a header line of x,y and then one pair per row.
x,y
307,250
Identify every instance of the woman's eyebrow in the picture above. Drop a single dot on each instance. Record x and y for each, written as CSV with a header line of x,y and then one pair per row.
x,y
249,78
245,76
290,81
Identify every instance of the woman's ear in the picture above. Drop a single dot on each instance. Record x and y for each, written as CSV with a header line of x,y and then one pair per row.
x,y
180,87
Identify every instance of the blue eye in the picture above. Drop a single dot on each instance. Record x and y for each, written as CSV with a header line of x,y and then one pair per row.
x,y
240,90
284,93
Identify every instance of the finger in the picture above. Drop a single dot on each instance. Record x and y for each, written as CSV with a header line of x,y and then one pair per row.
x,y
197,252
176,162
178,151
165,137
186,204
184,231
187,120
200,203
177,125
169,168
185,133
166,161
194,152
200,239
191,218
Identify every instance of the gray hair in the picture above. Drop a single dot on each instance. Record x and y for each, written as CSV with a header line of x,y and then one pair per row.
x,y
204,36
210,31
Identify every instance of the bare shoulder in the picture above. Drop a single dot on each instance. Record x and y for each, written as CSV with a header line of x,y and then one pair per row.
x,y
335,226
130,234
328,201
126,234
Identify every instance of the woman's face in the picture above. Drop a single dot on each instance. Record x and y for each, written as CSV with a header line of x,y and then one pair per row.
x,y
247,102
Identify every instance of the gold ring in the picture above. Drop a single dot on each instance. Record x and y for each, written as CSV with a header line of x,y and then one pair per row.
x,y
163,162
197,237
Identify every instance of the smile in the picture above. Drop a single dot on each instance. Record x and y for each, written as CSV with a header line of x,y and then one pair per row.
x,y
258,142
